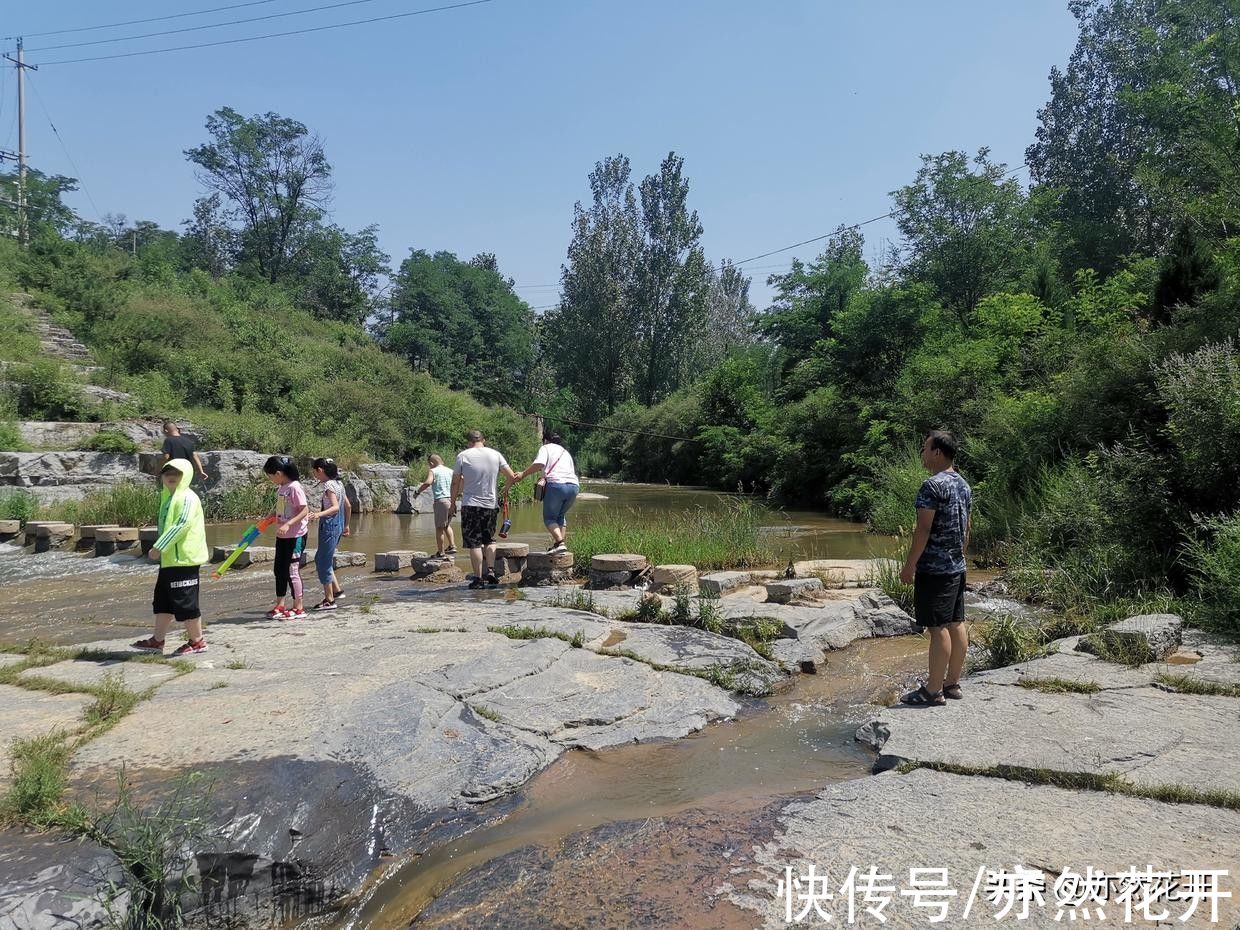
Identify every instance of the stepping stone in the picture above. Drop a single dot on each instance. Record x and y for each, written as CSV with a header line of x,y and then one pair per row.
x,y
720,583
396,560
781,592
549,561
9,529
52,536
625,562
666,578
507,550
111,539
86,532
146,538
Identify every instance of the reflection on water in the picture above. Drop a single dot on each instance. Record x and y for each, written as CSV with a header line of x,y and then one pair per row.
x,y
793,534
790,744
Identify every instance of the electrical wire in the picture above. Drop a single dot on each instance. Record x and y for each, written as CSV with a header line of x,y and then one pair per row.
x,y
270,35
231,22
138,22
65,148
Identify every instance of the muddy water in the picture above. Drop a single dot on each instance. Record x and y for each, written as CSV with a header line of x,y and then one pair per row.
x,y
67,597
792,533
790,744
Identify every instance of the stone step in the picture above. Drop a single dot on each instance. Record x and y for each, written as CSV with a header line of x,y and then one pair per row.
x,y
397,559
720,583
781,592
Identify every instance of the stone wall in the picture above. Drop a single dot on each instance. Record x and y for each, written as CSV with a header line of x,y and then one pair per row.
x,y
58,476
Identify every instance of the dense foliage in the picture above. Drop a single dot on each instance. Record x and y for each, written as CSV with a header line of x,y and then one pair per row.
x,y
1078,333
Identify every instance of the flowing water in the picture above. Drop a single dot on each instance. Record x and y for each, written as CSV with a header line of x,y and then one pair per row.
x,y
790,744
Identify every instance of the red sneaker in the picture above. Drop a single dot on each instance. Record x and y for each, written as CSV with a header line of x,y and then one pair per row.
x,y
189,649
297,613
150,644
277,613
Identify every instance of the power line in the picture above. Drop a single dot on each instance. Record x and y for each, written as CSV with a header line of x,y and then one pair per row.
x,y
72,164
272,35
231,22
138,22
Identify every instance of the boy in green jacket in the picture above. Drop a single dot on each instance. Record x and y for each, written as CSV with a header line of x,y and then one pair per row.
x,y
180,549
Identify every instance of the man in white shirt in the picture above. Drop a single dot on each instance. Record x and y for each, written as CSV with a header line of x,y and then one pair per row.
x,y
474,479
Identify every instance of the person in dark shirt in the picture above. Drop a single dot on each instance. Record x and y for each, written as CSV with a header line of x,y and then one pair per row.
x,y
177,446
936,569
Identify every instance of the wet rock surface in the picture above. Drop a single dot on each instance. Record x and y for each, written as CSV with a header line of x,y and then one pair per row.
x,y
51,882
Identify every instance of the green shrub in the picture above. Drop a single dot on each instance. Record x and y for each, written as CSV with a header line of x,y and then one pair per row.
x,y
45,391
111,441
1213,559
20,342
18,505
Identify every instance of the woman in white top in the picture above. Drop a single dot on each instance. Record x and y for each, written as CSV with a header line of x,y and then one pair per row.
x,y
556,465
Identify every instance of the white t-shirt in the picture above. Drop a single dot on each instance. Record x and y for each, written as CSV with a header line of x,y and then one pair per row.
x,y
557,464
479,468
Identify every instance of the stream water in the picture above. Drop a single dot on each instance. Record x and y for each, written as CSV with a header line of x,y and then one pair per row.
x,y
790,744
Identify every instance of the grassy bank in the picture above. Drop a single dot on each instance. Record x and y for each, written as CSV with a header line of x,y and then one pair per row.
x,y
727,537
134,504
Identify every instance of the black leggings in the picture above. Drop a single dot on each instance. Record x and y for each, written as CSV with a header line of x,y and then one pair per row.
x,y
288,566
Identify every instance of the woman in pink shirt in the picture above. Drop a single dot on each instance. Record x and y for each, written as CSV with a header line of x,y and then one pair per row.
x,y
293,512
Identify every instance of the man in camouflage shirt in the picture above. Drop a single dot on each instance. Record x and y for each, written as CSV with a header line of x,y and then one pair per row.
x,y
936,569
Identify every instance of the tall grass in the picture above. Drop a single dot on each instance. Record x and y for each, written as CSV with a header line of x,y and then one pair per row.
x,y
710,538
18,505
131,503
241,503
39,780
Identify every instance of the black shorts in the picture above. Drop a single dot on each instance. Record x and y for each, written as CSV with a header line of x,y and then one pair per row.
x,y
176,593
478,526
938,599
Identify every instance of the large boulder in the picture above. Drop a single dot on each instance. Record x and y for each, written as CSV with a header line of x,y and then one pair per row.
x,y
1140,639
50,434
413,502
84,470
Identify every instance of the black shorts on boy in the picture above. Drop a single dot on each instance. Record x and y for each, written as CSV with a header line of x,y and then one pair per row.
x,y
176,593
938,599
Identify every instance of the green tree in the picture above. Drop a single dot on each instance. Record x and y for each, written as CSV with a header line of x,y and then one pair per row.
x,y
339,273
594,328
275,178
965,226
463,323
672,284
45,206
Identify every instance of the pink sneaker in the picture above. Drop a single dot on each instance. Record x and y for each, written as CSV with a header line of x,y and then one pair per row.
x,y
189,649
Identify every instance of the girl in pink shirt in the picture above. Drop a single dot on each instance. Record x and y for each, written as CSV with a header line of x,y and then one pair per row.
x,y
293,512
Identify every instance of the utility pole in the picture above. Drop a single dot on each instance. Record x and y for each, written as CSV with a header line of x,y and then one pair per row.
x,y
23,228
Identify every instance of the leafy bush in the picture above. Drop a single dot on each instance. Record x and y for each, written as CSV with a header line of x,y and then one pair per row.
x,y
111,441
1009,640
42,390
1213,557
21,342
895,492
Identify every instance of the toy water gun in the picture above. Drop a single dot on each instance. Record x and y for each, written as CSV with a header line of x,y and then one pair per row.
x,y
256,530
507,525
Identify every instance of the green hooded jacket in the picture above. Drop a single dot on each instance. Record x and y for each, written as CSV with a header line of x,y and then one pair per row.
x,y
182,529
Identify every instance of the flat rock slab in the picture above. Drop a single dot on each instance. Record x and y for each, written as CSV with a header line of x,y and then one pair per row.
x,y
831,624
1149,637
90,672
721,583
590,701
980,823
781,592
838,572
1147,735
686,647
26,713
396,560
361,724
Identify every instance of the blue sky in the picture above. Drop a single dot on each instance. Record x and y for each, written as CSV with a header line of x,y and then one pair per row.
x,y
473,130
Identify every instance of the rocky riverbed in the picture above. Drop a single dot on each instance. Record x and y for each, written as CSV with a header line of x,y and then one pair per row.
x,y
329,746
340,751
